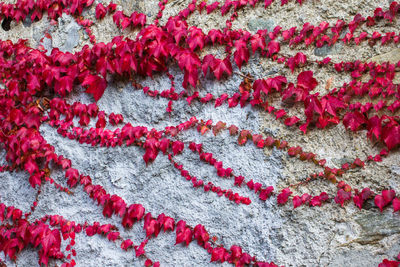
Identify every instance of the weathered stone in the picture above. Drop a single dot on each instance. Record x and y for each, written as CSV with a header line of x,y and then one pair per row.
x,y
342,161
392,57
27,22
395,170
326,50
72,39
376,226
273,71
269,131
48,45
66,37
37,33
354,258
322,51
261,24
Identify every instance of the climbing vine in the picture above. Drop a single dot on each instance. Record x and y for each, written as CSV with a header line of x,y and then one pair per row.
x,y
36,85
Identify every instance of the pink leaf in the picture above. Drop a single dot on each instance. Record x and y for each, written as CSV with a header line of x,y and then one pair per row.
x,y
297,201
266,193
284,196
306,80
100,11
96,86
379,202
388,196
396,204
126,244
291,120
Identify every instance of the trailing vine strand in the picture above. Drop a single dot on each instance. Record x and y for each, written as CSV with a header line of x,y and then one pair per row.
x,y
36,87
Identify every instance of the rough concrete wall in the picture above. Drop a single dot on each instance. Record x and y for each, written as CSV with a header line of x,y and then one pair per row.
x,y
320,236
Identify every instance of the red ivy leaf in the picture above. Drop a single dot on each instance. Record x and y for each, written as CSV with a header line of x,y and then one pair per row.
x,y
100,11
306,80
210,8
291,120
184,235
221,66
354,120
200,234
112,236
284,196
387,263
297,201
35,179
243,137
236,252
342,196
272,48
266,193
259,86
257,41
391,136
139,250
242,53
379,202
388,195
396,204
196,38
96,86
218,254
177,147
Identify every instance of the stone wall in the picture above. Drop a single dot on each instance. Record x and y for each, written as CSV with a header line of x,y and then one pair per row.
x,y
320,236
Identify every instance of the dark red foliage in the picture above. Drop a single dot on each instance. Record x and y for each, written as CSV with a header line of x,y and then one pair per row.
x,y
36,86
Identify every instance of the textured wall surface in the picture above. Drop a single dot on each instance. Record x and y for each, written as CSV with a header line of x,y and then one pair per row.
x,y
321,236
